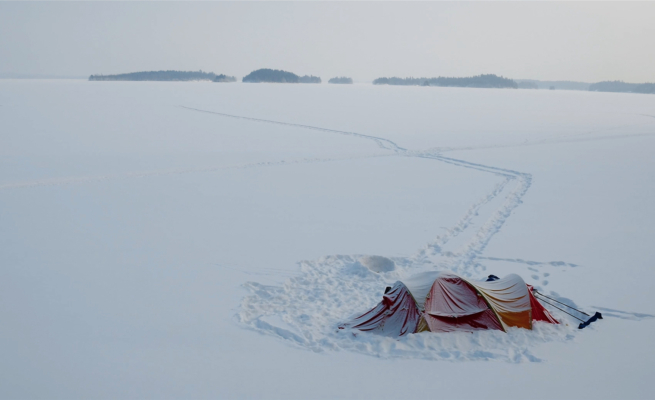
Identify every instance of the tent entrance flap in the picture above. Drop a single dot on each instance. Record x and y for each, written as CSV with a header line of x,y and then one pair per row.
x,y
454,305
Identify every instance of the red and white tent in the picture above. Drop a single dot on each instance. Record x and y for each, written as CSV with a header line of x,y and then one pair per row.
x,y
445,302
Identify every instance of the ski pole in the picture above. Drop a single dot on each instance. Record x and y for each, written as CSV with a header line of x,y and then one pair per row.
x,y
582,312
581,320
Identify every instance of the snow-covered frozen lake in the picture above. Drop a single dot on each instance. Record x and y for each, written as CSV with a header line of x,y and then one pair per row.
x,y
201,240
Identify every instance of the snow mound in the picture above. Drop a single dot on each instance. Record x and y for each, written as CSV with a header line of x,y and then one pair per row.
x,y
309,307
378,263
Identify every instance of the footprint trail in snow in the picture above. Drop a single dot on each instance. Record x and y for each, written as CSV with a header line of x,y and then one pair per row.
x,y
307,308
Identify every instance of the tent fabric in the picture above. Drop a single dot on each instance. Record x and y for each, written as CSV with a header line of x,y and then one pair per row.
x,y
454,305
444,302
452,296
422,325
509,298
396,315
420,284
539,313
485,320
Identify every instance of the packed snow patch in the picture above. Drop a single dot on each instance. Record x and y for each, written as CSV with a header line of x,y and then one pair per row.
x,y
309,307
378,263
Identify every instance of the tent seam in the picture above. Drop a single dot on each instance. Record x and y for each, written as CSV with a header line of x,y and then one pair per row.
x,y
502,324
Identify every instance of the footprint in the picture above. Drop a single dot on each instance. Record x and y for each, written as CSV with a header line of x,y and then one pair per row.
x,y
535,277
545,283
546,274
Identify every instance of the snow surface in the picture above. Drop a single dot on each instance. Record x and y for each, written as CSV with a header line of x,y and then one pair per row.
x,y
169,240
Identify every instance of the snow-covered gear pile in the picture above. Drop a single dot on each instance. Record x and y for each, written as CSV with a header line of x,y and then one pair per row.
x,y
444,302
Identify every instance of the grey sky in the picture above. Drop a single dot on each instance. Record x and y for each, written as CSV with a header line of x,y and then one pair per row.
x,y
589,41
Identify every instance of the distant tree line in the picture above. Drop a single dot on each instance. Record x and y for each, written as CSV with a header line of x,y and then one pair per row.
x,y
310,79
278,76
559,85
619,86
527,85
480,81
157,76
341,80
224,78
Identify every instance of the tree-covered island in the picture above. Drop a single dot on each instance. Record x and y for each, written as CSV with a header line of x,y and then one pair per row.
x,y
480,81
624,87
224,78
158,76
341,80
278,76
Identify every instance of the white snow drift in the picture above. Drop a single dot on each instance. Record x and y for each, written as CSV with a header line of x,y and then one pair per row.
x,y
134,214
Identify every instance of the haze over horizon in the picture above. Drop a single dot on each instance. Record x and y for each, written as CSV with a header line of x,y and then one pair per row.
x,y
587,42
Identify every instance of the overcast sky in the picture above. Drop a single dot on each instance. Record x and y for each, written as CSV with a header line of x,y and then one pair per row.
x,y
590,41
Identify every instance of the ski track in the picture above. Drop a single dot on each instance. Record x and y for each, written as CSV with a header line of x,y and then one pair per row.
x,y
130,175
633,316
466,257
531,262
541,142
306,309
435,247
381,142
566,138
